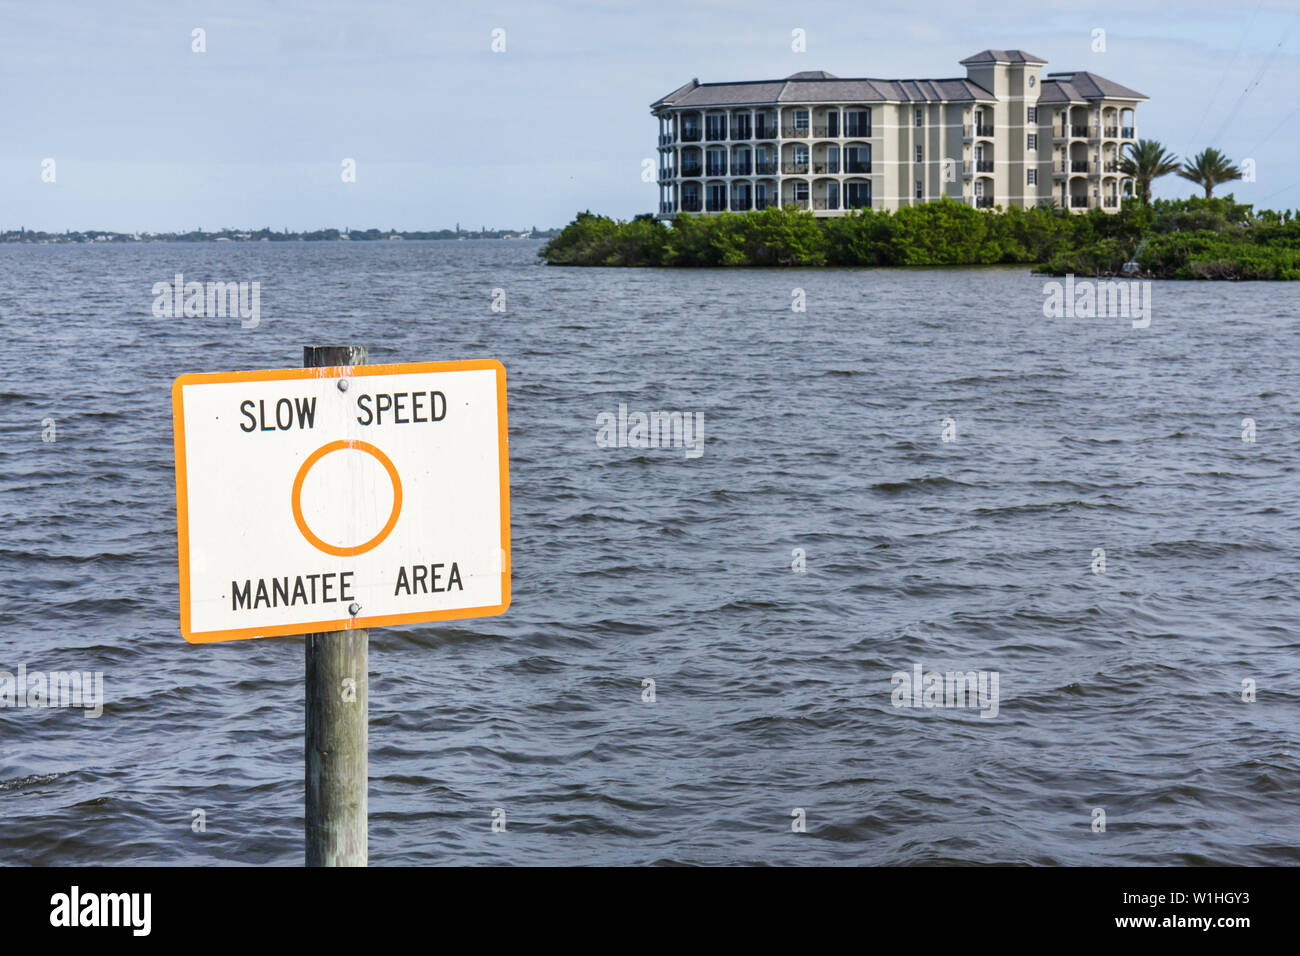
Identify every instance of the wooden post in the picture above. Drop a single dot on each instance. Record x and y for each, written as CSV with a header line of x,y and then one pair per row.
x,y
338,711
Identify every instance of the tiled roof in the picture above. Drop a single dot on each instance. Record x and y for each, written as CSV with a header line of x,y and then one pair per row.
x,y
818,86
1081,86
1001,56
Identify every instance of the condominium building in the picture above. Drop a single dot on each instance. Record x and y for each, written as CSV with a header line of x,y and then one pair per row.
x,y
1003,135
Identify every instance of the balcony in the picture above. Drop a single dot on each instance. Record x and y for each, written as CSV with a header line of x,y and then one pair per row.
x,y
795,132
715,205
794,168
857,131
983,165
715,134
690,134
827,168
765,167
666,139
742,167
1078,202
665,209
857,166
983,202
740,203
689,171
980,129
1079,165
715,169
797,203
1111,166
1079,130
1110,202
691,204
740,132
826,204
858,202
762,202
666,174
765,132
826,132
1127,132
1111,132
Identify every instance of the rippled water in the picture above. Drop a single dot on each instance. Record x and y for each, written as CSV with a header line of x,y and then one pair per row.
x,y
1120,690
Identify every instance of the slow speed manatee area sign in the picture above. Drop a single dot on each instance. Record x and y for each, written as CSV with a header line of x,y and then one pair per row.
x,y
322,499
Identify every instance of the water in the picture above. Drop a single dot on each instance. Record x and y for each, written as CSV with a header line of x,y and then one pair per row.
x,y
1119,691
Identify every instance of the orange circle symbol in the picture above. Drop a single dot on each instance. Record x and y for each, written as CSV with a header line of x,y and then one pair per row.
x,y
316,456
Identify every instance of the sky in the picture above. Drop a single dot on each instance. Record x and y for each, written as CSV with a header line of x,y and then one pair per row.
x,y
146,134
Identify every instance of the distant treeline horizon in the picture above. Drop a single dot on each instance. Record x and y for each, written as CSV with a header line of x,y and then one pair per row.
x,y
22,234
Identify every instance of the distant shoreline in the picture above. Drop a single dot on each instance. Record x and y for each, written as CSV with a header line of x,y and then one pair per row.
x,y
36,237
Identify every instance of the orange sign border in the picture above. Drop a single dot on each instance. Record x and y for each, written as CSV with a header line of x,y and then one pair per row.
x,y
332,372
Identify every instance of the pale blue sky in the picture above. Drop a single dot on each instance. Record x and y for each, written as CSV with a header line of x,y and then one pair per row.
x,y
147,135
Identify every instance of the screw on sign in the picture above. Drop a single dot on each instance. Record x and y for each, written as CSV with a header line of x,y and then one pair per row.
x,y
329,499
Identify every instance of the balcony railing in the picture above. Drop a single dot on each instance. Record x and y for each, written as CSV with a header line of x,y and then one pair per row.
x,y
666,139
765,167
740,132
762,202
1078,202
795,168
1110,132
857,132
983,165
1111,166
666,173
715,205
665,209
742,167
690,134
825,132
797,203
740,203
859,202
1126,132
1110,202
1079,165
690,205
1077,129
826,204
715,169
829,168
983,202
715,134
852,166
797,132
689,170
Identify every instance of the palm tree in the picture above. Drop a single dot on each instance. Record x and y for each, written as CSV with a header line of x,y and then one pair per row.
x,y
1208,168
1147,160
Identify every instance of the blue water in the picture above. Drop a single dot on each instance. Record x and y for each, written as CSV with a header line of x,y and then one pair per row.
x,y
1120,691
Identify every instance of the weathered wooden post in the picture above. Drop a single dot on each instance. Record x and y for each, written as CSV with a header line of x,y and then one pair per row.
x,y
338,716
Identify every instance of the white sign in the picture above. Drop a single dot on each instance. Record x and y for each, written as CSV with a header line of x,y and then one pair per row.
x,y
323,499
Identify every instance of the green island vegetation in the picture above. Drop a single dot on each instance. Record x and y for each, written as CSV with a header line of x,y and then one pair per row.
x,y
1197,238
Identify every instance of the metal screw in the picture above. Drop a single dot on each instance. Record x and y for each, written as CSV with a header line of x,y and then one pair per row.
x,y
343,385
354,608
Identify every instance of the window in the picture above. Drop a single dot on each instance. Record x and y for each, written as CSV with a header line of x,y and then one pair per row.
x,y
833,124
1033,114
801,191
1033,177
801,155
920,189
857,195
1033,140
857,159
920,117
832,195
801,120
857,123
918,155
